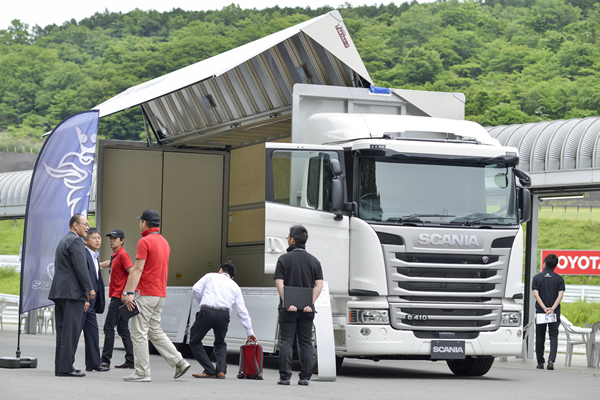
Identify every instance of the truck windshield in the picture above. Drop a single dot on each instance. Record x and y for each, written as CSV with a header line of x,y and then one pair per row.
x,y
441,194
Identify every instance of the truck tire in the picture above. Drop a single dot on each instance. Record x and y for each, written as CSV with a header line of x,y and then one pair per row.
x,y
471,366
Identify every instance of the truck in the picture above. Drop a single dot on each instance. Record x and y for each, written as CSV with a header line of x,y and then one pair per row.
x,y
414,213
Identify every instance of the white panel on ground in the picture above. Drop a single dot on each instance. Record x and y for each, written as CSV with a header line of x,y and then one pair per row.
x,y
324,335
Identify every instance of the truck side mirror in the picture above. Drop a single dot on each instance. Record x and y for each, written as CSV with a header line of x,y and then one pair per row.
x,y
336,167
524,205
337,190
524,178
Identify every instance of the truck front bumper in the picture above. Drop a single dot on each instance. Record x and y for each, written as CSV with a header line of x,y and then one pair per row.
x,y
383,340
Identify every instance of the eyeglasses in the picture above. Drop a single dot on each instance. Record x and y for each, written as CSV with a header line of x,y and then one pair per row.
x,y
86,224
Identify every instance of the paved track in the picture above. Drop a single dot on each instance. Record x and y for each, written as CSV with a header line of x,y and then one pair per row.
x,y
358,379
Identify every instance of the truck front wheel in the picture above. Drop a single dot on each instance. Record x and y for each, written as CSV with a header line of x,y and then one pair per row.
x,y
471,366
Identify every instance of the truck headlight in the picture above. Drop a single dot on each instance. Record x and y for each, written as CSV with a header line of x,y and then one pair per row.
x,y
511,319
369,317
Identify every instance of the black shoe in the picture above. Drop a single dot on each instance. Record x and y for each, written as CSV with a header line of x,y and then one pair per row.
x,y
303,382
540,366
105,364
98,368
74,373
550,366
283,382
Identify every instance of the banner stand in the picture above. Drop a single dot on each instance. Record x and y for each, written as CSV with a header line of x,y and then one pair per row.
x,y
60,188
18,361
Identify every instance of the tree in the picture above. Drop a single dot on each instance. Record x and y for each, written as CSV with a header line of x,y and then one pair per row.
x,y
420,65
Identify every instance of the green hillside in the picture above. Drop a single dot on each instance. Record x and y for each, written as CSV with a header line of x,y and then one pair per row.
x,y
516,60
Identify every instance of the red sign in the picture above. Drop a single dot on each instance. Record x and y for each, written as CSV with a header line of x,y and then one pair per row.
x,y
575,262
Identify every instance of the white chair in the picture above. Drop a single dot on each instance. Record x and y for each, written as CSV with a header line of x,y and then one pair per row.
x,y
45,317
2,307
594,346
575,336
526,331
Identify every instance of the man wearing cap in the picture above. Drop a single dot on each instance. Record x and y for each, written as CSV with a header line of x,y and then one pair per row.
x,y
149,276
120,265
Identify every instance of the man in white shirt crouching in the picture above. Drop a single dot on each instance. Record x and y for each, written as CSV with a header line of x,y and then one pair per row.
x,y
216,293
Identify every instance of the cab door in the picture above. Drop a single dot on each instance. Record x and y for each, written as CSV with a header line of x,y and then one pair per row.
x,y
298,191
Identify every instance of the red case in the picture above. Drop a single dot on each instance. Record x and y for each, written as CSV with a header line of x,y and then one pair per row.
x,y
251,361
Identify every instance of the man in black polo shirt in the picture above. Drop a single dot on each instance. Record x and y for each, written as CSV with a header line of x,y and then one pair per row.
x,y
297,268
548,289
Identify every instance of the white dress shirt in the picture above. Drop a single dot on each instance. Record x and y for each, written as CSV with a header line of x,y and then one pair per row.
x,y
95,258
219,290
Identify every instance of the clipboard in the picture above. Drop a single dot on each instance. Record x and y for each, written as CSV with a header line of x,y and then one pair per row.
x,y
545,318
297,296
126,314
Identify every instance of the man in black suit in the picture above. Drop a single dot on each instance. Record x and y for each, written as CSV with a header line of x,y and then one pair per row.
x,y
70,289
89,323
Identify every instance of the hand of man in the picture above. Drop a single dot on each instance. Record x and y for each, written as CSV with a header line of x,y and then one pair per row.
x,y
252,338
307,309
92,294
86,306
292,308
130,301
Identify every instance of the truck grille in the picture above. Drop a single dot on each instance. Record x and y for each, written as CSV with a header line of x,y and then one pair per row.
x,y
445,289
436,317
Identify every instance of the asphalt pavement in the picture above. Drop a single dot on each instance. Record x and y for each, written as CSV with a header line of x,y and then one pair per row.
x,y
357,379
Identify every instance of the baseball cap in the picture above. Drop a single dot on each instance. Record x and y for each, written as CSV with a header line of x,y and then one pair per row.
x,y
117,233
150,216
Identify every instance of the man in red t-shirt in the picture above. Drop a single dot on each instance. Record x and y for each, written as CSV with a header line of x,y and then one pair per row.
x,y
120,265
149,276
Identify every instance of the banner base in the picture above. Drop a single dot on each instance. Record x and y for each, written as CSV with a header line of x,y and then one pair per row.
x,y
18,362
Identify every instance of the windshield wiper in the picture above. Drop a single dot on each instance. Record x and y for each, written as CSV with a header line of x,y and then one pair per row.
x,y
470,222
409,217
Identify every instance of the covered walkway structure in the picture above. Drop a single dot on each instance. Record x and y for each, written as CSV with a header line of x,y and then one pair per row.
x,y
563,159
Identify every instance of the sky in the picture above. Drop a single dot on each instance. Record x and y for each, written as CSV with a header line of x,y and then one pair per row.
x,y
46,12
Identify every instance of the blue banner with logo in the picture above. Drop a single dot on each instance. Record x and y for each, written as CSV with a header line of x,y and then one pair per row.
x,y
60,187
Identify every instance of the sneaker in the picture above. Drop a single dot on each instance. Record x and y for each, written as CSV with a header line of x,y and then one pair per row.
x,y
550,365
136,378
303,382
181,368
283,382
540,366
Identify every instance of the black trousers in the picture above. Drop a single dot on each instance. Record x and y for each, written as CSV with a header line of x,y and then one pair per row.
x,y
68,314
114,319
540,338
89,326
218,321
292,324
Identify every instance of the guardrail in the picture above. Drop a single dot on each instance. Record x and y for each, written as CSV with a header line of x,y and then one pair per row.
x,y
575,293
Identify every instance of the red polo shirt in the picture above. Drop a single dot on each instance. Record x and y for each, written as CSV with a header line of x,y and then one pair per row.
x,y
119,264
155,249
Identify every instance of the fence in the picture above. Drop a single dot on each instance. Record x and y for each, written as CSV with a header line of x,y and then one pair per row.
x,y
590,213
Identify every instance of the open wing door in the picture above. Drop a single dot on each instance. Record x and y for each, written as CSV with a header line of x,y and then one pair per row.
x,y
303,185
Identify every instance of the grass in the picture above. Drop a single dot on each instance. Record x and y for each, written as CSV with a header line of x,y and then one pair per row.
x,y
11,236
10,281
580,313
